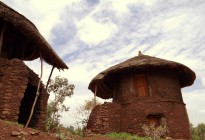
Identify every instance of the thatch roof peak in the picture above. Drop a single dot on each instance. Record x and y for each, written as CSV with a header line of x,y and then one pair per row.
x,y
140,53
141,63
28,43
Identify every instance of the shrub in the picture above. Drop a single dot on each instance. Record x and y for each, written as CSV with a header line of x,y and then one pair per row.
x,y
154,132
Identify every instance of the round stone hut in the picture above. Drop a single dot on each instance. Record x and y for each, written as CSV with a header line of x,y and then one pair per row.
x,y
144,90
21,41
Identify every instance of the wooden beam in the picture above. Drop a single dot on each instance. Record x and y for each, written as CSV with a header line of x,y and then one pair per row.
x,y
49,77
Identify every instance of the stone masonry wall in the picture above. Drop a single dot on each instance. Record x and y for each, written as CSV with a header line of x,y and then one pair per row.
x,y
105,118
113,117
174,113
13,84
16,80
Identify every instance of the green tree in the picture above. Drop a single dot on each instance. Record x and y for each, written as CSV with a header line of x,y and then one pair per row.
x,y
61,89
201,131
84,110
198,132
194,132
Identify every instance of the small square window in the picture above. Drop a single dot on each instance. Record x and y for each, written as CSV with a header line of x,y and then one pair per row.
x,y
156,119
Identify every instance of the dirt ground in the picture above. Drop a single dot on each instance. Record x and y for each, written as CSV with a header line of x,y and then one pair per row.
x,y
13,131
95,138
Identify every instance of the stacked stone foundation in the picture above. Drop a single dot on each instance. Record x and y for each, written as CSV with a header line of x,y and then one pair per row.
x,y
116,117
16,80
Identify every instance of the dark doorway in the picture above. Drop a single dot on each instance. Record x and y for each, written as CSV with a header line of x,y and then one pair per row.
x,y
26,104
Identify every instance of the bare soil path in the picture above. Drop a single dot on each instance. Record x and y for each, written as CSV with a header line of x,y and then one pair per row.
x,y
13,131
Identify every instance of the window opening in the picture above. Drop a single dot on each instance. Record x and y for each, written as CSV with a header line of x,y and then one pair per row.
x,y
155,120
141,85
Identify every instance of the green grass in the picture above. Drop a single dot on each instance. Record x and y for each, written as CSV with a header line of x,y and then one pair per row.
x,y
125,136
9,123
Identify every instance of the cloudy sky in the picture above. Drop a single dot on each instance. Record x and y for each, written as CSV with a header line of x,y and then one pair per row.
x,y
92,35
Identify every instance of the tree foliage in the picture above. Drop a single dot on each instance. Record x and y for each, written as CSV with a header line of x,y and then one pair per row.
x,y
198,132
84,110
61,89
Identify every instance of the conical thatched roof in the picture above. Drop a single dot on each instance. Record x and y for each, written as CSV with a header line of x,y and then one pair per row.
x,y
28,44
104,80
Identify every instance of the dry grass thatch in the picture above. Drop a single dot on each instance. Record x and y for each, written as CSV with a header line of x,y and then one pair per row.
x,y
141,62
31,44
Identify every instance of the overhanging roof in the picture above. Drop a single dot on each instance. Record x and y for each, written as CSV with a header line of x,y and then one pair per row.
x,y
28,43
139,63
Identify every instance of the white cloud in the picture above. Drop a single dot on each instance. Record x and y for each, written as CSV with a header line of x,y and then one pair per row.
x,y
201,72
122,6
92,32
195,105
173,22
202,111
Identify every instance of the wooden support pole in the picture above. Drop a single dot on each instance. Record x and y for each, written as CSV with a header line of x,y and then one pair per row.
x,y
49,77
37,94
95,95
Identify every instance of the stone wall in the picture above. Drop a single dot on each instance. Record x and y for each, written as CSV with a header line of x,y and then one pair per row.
x,y
13,83
115,117
17,89
105,118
